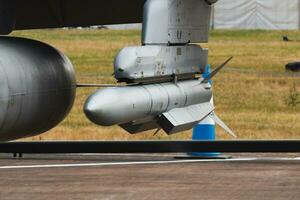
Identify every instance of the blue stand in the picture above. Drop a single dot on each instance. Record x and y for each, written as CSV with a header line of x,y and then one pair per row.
x,y
205,130
207,72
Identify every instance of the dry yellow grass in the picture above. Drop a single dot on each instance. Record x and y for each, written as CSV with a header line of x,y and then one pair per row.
x,y
250,95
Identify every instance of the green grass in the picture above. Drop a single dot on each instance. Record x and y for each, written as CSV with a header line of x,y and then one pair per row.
x,y
251,94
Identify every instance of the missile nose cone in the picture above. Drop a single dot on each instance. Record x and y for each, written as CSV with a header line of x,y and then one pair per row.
x,y
112,106
98,106
90,111
93,109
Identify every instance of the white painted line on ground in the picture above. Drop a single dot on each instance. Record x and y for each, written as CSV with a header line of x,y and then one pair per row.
x,y
122,163
125,154
145,163
278,159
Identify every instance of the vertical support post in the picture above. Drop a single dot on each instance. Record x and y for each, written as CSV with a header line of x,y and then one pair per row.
x,y
206,129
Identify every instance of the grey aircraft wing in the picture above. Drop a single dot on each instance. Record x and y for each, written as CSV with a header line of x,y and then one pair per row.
x,y
36,14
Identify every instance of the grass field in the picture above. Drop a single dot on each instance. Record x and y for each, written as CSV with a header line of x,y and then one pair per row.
x,y
252,95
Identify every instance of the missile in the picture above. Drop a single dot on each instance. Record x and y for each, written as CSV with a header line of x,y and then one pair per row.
x,y
171,106
169,95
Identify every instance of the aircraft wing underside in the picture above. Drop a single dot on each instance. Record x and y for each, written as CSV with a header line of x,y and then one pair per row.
x,y
35,14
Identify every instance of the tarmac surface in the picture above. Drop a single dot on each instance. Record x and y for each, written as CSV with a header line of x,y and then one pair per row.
x,y
140,176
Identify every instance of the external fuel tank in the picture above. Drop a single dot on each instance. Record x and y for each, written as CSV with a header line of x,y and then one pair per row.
x,y
37,87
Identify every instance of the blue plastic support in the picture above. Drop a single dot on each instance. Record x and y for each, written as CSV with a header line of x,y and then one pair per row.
x,y
206,73
206,129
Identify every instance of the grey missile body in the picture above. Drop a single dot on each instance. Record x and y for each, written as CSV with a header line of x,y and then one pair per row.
x,y
37,87
169,95
121,105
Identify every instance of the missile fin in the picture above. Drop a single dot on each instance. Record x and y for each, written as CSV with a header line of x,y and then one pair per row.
x,y
181,119
134,128
222,124
216,71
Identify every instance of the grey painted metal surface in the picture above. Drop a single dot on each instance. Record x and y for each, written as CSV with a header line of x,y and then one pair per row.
x,y
154,63
176,21
138,126
182,119
37,87
168,27
141,104
211,1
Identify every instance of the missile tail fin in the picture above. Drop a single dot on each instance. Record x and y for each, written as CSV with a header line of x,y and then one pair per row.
x,y
222,124
215,72
182,119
